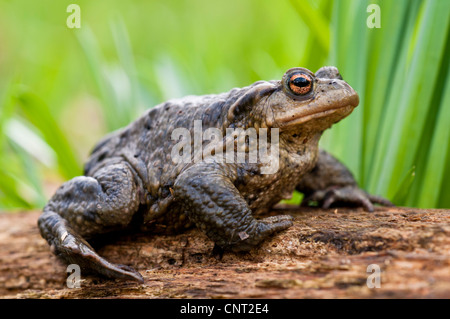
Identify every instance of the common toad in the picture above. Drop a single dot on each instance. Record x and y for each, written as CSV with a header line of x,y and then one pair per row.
x,y
136,176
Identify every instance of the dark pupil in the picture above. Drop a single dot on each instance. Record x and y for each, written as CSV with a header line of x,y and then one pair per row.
x,y
301,82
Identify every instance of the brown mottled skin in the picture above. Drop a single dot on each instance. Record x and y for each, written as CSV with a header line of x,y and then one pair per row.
x,y
130,178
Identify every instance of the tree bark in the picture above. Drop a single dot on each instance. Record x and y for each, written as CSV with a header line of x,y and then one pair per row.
x,y
326,254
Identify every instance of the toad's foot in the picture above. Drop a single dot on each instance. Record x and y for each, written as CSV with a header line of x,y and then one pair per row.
x,y
349,194
267,226
73,249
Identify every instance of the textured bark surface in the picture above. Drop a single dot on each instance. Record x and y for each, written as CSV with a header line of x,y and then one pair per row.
x,y
324,255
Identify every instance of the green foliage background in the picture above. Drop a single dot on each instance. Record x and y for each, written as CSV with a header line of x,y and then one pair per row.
x,y
61,89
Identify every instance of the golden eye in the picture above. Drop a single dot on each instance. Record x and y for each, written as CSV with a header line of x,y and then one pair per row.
x,y
300,83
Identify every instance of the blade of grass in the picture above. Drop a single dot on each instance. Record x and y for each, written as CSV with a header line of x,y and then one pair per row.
x,y
387,124
385,45
38,113
19,133
405,186
444,198
436,162
111,109
6,111
316,21
352,64
418,94
312,58
11,196
132,107
422,159
33,179
412,101
330,140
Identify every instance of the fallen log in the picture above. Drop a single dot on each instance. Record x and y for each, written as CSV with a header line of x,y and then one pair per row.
x,y
333,253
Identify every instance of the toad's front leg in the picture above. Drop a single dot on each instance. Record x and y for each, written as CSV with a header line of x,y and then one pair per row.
x,y
330,182
213,203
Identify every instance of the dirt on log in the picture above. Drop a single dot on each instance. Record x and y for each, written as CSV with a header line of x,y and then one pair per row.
x,y
326,254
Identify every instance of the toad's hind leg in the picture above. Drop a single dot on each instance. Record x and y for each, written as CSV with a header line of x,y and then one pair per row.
x,y
87,206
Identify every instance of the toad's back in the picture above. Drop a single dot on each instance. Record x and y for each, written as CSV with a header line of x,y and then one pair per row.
x,y
148,141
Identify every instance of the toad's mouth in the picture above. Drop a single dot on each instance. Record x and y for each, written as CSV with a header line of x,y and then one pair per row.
x,y
344,106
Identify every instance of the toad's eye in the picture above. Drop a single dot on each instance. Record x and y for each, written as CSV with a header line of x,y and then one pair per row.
x,y
300,83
